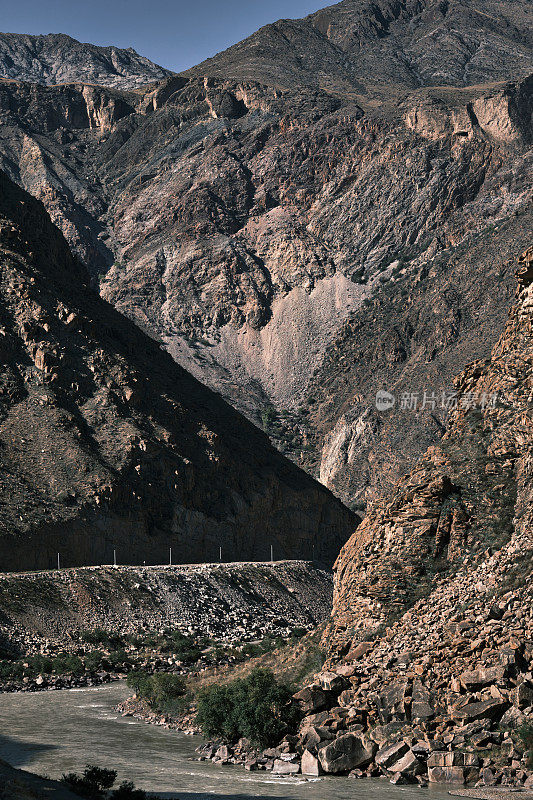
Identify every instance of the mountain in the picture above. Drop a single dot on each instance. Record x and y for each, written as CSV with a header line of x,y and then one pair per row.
x,y
107,444
56,58
379,46
309,217
464,513
430,643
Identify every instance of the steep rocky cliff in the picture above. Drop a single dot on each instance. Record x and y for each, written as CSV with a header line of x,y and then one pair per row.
x,y
432,627
308,217
106,443
56,58
430,668
467,503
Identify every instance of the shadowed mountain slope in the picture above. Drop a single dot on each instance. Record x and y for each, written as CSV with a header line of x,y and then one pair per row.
x,y
106,443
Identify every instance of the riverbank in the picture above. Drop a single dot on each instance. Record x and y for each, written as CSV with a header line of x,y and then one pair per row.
x,y
83,627
56,732
16,784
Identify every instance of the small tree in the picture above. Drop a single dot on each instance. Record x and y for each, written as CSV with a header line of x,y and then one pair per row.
x,y
257,707
93,784
162,691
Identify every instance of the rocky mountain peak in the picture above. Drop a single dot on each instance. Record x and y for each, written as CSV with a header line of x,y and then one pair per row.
x,y
56,58
375,47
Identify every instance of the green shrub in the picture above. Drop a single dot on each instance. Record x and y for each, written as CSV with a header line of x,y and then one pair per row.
x,y
103,637
127,791
164,692
94,660
185,648
525,733
256,707
93,784
67,663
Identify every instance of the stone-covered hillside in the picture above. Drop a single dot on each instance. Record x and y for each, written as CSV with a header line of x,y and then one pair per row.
x,y
106,443
431,637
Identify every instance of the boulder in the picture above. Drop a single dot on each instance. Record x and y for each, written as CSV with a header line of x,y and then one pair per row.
x,y
345,753
310,765
421,705
409,766
384,734
446,775
478,678
282,767
359,651
484,709
452,758
513,718
331,682
223,752
390,754
312,736
392,700
398,779
312,699
523,694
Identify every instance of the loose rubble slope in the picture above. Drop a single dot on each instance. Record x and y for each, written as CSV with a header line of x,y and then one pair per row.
x,y
225,602
431,636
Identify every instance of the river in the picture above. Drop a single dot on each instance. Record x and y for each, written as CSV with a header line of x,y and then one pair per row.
x,y
61,731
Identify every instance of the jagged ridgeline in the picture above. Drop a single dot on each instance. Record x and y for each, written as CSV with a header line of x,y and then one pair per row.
x,y
303,219
107,444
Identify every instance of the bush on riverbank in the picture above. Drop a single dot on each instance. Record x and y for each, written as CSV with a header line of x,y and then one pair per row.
x,y
256,707
95,784
164,692
33,666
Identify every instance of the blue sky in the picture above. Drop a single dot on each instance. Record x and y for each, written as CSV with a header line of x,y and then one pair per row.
x,y
176,34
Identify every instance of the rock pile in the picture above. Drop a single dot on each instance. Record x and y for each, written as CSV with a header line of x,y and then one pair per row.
x,y
228,603
430,669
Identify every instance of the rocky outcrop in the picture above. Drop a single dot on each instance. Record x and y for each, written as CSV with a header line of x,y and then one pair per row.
x,y
107,444
430,640
56,58
468,494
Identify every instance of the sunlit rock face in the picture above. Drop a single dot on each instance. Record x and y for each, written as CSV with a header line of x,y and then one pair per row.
x,y
308,217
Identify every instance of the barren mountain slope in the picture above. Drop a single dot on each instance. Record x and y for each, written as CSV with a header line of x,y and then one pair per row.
x,y
56,58
375,46
300,246
106,443
466,506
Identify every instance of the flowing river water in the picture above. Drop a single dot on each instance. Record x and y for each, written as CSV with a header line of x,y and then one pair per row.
x,y
54,732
